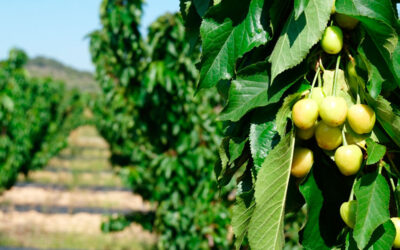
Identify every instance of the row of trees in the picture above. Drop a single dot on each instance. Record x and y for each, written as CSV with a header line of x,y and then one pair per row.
x,y
160,131
36,117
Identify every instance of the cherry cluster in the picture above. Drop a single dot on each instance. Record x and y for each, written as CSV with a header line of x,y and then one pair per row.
x,y
323,117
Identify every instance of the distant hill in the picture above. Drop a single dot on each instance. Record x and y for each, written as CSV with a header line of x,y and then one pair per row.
x,y
73,78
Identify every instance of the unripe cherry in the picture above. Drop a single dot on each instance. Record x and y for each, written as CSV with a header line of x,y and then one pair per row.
x,y
332,40
361,118
351,69
348,159
317,94
305,113
348,212
328,137
396,222
345,21
305,134
303,159
333,110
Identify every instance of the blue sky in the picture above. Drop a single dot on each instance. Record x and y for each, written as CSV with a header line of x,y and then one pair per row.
x,y
56,28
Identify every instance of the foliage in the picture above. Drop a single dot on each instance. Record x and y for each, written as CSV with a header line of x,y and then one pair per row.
x,y
36,116
161,135
262,56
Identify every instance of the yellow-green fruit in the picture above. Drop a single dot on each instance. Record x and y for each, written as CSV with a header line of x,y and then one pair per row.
x,y
348,212
303,159
361,118
332,40
396,222
351,69
317,94
348,159
333,110
345,21
305,113
305,134
328,137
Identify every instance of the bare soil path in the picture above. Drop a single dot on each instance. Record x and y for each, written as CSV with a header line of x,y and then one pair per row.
x,y
63,205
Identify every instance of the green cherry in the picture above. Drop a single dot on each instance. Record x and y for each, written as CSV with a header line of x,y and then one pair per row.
x,y
361,118
328,137
305,113
348,212
333,110
348,159
303,159
346,22
332,40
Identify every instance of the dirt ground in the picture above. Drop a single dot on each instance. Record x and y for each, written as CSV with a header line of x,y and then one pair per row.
x,y
79,170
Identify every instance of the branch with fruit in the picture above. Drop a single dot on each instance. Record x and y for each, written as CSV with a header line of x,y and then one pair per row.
x,y
312,117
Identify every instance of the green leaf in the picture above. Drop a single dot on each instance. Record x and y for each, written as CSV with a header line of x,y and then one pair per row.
x,y
236,146
299,6
242,213
263,137
379,20
224,43
201,6
243,208
375,151
381,72
266,225
298,36
253,89
229,164
314,199
7,102
350,243
221,167
377,17
396,61
192,21
373,194
383,237
328,77
386,117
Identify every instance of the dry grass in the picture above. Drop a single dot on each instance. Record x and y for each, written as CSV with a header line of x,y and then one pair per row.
x,y
74,198
75,179
72,164
79,231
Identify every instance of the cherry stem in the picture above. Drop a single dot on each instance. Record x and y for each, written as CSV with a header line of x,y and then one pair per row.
x,y
392,184
321,65
351,58
358,94
352,190
314,81
352,187
344,138
336,75
319,81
